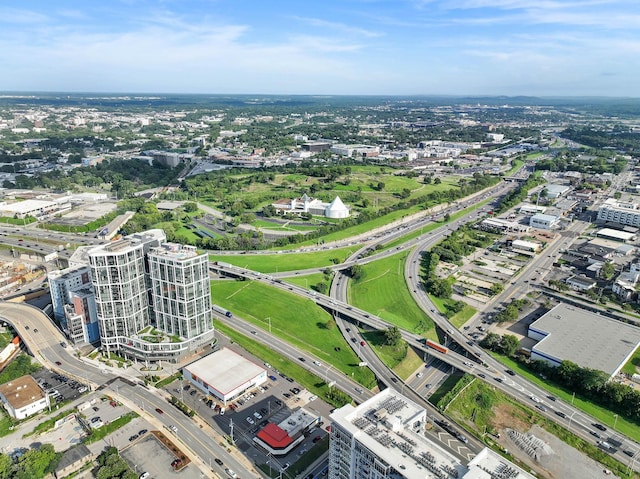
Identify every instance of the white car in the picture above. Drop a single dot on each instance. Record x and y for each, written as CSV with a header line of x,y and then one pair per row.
x,y
257,415
535,399
419,375
250,421
231,473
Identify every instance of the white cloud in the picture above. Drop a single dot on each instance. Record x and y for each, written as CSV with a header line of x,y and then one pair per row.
x,y
341,27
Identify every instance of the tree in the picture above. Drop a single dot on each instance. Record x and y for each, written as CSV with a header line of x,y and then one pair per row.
x,y
608,270
447,217
508,345
392,336
321,287
356,271
497,288
190,207
437,181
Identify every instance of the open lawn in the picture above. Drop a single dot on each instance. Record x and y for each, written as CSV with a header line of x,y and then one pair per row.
x,y
631,366
382,291
296,320
307,281
290,368
272,263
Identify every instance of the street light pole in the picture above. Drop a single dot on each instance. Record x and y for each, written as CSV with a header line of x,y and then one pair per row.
x,y
615,421
269,319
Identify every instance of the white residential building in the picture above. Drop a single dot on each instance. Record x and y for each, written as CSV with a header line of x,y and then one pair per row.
x,y
141,282
619,212
384,437
181,290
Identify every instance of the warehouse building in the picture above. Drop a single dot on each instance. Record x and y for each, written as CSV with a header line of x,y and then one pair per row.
x,y
224,375
615,235
556,191
587,339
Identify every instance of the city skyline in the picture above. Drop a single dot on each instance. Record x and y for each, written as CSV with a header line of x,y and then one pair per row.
x,y
369,47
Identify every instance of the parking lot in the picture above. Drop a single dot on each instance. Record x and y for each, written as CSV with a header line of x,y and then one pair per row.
x,y
273,402
61,388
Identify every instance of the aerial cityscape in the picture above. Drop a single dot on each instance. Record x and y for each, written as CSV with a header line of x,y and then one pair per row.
x,y
370,240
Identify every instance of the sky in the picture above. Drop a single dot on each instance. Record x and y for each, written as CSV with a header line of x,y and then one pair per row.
x,y
323,47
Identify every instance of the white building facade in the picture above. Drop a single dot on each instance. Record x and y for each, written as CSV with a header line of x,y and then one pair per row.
x,y
617,212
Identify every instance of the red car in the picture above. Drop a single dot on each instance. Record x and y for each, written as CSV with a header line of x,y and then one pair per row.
x,y
159,411
58,363
362,343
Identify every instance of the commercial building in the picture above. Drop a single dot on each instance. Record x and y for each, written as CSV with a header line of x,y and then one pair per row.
x,y
305,204
587,339
151,298
532,209
526,246
545,222
23,397
615,235
316,146
384,437
498,224
581,283
619,212
280,439
225,375
555,191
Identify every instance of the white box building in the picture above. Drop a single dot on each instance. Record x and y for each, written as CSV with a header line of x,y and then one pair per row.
x,y
545,222
23,397
225,375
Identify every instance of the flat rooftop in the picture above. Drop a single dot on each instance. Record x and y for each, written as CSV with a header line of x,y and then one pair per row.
x,y
225,370
590,340
393,428
22,391
617,234
175,251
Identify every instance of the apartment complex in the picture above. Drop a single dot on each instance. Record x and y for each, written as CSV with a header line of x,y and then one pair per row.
x,y
618,212
151,300
74,304
384,437
180,289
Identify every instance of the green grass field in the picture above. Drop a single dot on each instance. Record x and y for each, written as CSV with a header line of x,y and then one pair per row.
x,y
306,281
383,292
296,320
291,368
272,263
